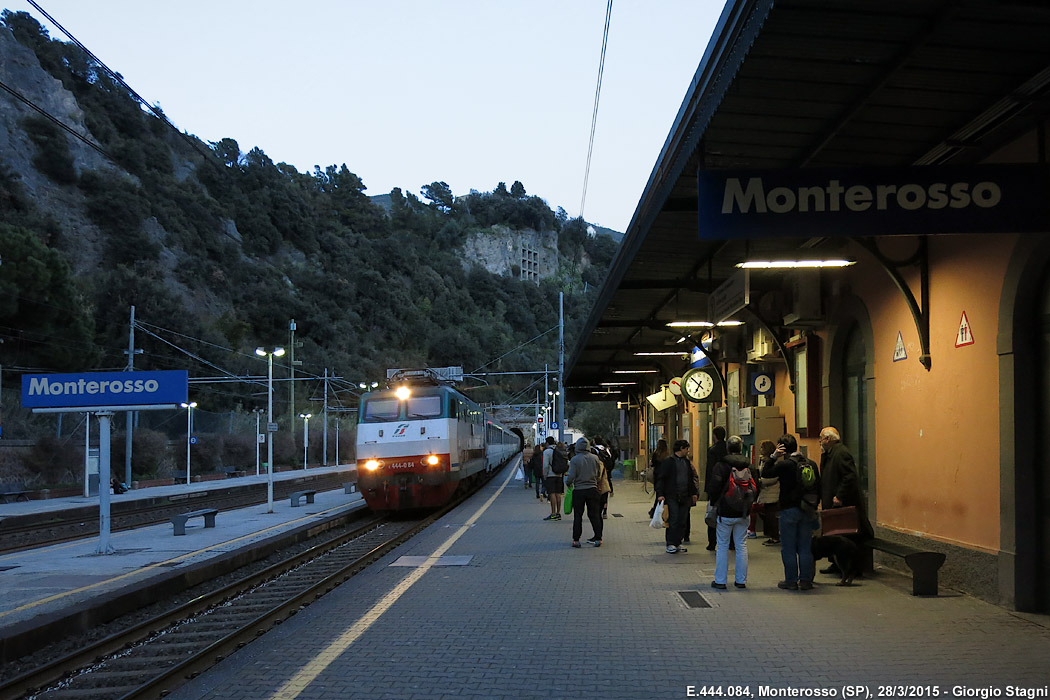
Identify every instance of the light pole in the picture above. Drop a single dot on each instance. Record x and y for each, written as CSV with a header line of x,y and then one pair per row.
x,y
258,416
189,431
306,433
269,355
368,385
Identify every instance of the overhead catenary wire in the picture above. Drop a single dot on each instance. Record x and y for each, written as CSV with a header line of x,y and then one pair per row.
x,y
594,114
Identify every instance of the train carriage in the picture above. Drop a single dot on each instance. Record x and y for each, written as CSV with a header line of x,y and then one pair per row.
x,y
420,440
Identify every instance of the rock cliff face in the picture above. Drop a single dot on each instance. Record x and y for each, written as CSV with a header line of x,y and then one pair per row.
x,y
524,254
20,70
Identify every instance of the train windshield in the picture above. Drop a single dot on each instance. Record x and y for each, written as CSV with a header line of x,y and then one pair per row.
x,y
424,407
381,410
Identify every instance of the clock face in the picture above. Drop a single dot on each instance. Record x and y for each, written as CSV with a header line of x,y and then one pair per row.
x,y
675,386
697,384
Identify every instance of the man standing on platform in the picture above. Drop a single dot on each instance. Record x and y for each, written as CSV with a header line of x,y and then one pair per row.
x,y
840,484
715,454
679,489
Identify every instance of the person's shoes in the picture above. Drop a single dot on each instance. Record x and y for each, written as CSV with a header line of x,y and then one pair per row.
x,y
805,585
740,585
751,535
719,586
682,549
575,545
597,543
592,540
710,547
832,570
788,586
557,516
553,516
671,549
772,543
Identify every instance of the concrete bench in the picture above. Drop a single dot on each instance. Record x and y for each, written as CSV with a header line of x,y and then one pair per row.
x,y
298,495
924,565
350,487
179,521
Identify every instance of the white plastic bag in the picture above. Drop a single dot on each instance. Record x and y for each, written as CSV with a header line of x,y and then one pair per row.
x,y
519,475
657,522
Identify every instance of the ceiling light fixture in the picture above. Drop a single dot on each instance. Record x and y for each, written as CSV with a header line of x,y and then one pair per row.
x,y
659,354
635,371
789,264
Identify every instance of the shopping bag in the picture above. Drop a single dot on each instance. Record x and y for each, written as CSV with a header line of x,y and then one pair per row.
x,y
658,517
519,475
839,521
568,500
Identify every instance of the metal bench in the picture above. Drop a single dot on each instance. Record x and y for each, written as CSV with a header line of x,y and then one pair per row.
x,y
179,521
298,495
9,491
924,565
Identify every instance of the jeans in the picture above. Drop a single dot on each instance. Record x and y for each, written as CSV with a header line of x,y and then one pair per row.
x,y
589,499
796,544
737,528
676,515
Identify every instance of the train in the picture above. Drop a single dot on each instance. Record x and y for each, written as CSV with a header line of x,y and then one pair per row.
x,y
420,439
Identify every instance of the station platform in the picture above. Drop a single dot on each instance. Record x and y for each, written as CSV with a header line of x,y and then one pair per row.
x,y
492,602
47,584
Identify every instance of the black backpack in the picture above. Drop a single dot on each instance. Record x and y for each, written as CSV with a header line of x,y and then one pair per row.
x,y
807,484
559,462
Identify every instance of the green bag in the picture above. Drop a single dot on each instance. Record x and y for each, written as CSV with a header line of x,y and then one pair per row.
x,y
568,500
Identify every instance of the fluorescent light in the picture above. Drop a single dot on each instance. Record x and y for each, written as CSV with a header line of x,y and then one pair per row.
x,y
658,354
635,371
703,324
778,264
617,383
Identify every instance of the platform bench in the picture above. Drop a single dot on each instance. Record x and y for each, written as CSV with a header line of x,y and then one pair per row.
x,y
179,521
298,495
924,565
8,491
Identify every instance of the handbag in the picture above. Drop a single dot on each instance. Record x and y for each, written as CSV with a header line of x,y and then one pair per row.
x,y
839,521
711,516
568,500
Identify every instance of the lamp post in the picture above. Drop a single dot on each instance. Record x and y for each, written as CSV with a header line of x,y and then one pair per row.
x,y
269,355
258,416
306,433
189,432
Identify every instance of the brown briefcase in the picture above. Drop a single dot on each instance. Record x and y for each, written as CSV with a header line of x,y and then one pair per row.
x,y
839,521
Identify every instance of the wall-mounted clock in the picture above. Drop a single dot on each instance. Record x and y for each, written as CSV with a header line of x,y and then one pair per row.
x,y
699,385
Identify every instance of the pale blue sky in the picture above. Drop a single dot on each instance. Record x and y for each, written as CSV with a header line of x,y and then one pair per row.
x,y
406,92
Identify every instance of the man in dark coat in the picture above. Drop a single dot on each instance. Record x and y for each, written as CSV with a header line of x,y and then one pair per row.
x,y
715,454
840,484
679,489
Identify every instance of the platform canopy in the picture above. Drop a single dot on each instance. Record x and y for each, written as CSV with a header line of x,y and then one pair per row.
x,y
800,84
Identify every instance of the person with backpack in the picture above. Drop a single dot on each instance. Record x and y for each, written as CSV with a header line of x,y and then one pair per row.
x,y
678,488
799,481
555,465
534,470
609,463
732,491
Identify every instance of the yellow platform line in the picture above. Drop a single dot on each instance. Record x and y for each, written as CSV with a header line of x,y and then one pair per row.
x,y
298,683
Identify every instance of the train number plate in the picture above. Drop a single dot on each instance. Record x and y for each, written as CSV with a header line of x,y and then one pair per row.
x,y
402,465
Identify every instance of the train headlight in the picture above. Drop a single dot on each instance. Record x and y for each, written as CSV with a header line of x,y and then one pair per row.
x,y
433,460
371,465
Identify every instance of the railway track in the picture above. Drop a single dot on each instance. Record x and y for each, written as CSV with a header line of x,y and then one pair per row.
x,y
152,658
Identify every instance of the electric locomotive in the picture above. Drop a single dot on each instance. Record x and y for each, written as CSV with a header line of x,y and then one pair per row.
x,y
420,439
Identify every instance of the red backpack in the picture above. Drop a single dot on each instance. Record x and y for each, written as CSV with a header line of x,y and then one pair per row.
x,y
740,492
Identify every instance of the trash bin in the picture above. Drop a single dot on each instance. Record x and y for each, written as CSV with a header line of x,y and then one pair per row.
x,y
628,469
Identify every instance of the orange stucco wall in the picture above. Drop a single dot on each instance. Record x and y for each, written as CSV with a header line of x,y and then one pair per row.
x,y
937,431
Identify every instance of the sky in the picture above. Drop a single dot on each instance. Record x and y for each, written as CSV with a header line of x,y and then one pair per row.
x,y
409,92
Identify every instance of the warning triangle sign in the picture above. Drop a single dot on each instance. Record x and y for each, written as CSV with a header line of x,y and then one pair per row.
x,y
965,336
899,353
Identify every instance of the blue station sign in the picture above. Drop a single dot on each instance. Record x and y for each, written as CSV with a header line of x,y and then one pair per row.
x,y
104,389
873,201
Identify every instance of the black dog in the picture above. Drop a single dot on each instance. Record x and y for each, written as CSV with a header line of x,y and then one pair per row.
x,y
843,552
